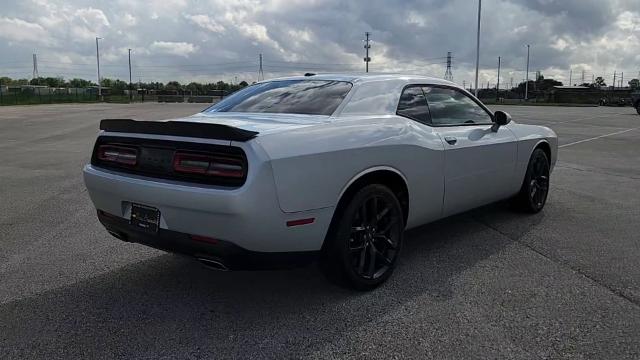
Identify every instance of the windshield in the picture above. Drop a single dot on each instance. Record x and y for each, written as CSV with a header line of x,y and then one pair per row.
x,y
310,97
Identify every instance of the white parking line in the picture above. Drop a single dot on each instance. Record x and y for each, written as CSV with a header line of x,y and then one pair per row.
x,y
589,118
598,137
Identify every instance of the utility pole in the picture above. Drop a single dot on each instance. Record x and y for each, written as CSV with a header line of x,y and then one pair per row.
x,y
98,61
582,78
622,79
593,78
614,80
367,46
260,70
464,84
478,45
526,84
130,85
498,85
448,75
511,83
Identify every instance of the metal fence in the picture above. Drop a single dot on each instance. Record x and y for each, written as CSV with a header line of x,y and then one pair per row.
x,y
33,98
27,98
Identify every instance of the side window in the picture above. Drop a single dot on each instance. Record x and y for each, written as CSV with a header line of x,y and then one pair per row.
x,y
452,107
413,104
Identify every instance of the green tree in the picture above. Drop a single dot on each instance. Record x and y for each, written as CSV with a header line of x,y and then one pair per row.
x,y
599,82
80,83
634,84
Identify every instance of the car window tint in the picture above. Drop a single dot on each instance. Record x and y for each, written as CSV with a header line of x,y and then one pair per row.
x,y
378,97
310,97
413,104
452,107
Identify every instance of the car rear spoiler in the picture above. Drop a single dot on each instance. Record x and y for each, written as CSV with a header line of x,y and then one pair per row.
x,y
177,128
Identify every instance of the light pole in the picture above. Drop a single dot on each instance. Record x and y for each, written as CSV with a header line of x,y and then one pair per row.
x,y
130,93
98,61
478,46
498,84
526,84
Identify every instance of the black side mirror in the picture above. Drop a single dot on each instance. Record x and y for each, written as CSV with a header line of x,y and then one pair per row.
x,y
500,118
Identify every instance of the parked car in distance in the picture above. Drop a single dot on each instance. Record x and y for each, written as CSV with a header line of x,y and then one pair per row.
x,y
635,100
331,168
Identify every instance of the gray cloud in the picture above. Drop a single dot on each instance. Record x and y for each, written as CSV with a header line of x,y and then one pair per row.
x,y
219,39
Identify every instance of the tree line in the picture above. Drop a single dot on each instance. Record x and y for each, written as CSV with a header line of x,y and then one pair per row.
x,y
118,85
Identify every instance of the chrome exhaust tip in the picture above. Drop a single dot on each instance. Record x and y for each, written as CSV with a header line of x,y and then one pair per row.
x,y
213,264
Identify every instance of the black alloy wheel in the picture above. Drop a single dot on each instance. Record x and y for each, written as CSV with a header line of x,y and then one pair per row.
x,y
372,247
366,243
535,188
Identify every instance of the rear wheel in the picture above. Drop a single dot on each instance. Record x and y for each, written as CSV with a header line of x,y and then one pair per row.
x,y
535,187
365,240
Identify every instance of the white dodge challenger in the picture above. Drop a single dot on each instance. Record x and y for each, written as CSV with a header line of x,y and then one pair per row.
x,y
331,168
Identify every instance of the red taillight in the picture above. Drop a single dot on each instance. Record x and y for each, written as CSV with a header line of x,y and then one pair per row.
x,y
124,155
205,239
211,165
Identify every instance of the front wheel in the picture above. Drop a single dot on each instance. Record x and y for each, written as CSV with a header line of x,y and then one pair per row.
x,y
363,245
535,187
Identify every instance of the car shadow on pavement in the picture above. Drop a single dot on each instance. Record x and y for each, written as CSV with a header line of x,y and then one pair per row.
x,y
170,305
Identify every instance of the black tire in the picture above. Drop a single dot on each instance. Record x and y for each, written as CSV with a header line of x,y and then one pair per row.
x,y
361,250
535,187
638,107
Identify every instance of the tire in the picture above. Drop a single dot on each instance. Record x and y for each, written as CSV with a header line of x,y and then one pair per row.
x,y
361,250
638,107
535,187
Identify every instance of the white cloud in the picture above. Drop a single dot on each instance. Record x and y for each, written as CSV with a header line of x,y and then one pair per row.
x,y
129,20
205,22
92,17
15,29
173,48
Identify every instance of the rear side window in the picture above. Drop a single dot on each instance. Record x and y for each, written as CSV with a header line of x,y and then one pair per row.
x,y
452,107
413,104
310,97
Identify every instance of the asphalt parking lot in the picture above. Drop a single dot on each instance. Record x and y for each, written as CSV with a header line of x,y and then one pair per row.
x,y
490,283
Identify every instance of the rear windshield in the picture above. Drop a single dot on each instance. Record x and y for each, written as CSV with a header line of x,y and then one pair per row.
x,y
310,97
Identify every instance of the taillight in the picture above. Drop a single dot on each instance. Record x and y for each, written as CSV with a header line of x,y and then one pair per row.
x,y
208,165
118,154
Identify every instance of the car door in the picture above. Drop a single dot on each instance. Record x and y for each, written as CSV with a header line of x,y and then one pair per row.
x,y
479,162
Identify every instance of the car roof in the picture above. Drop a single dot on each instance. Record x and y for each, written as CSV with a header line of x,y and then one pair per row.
x,y
369,77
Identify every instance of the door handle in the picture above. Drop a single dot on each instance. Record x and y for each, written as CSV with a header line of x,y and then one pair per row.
x,y
450,140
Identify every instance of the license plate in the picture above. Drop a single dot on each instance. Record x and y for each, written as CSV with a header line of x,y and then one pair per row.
x,y
146,218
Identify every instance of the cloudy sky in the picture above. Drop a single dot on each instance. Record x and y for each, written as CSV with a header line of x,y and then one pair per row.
x,y
209,40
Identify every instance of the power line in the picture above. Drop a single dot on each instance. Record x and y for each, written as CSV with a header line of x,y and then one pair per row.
x,y
35,67
260,70
448,75
367,46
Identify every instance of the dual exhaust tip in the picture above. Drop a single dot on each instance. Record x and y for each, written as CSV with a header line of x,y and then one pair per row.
x,y
211,264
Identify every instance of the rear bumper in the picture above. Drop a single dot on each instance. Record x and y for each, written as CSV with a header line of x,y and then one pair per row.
x,y
248,217
219,254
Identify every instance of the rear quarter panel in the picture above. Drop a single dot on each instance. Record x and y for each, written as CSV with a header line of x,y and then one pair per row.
x,y
313,166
